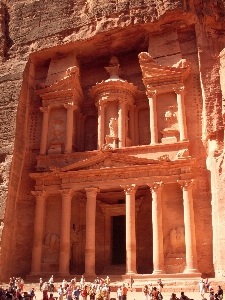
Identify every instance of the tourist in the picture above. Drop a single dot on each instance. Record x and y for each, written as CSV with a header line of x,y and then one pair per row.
x,y
107,280
76,293
202,287
84,293
220,292
32,294
51,284
183,297
51,297
174,297
207,284
45,294
119,293
131,281
216,297
40,284
73,283
124,292
211,294
45,286
146,292
22,284
69,292
60,292
159,285
92,294
82,282
154,293
64,285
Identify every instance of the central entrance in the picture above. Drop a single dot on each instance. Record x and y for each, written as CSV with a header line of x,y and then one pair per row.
x,y
118,240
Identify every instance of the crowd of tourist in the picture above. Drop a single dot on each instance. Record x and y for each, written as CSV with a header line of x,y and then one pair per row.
x,y
97,290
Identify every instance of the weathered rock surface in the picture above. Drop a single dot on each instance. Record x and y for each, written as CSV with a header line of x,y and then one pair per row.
x,y
33,32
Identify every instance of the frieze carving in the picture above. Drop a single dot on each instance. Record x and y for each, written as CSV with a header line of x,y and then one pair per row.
x,y
164,157
184,153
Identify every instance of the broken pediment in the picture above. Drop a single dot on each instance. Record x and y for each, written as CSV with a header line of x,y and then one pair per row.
x,y
108,160
67,87
157,76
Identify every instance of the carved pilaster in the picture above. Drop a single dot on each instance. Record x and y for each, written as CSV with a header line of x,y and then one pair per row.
x,y
181,112
44,130
151,94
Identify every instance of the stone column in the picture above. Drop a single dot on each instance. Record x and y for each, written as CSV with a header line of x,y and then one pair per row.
x,y
158,255
39,217
90,231
44,130
101,124
132,124
64,254
136,127
181,113
153,117
122,123
69,127
130,191
189,224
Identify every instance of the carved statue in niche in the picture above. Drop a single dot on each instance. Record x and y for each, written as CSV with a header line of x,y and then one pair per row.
x,y
56,134
51,248
112,138
170,132
174,250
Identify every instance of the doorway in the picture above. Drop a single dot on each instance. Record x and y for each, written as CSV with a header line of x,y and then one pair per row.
x,y
118,240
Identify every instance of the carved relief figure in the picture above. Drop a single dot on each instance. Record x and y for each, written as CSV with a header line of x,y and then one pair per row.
x,y
113,127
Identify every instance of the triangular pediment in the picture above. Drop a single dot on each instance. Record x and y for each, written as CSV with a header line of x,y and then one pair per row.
x,y
106,160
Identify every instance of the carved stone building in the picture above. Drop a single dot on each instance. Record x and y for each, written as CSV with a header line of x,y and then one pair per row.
x,y
113,165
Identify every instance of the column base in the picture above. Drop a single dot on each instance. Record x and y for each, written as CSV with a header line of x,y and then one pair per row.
x,y
155,272
191,271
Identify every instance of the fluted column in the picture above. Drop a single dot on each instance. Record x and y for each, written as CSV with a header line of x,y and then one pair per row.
x,y
64,254
69,127
181,113
189,224
158,254
122,123
153,117
130,191
101,124
132,124
44,129
39,217
90,231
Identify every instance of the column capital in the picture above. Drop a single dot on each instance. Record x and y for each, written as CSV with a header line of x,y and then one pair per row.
x,y
45,109
179,89
186,184
151,93
39,194
155,186
92,191
66,192
70,105
122,100
129,189
100,102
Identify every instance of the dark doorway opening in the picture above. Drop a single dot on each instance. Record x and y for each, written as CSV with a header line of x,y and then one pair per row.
x,y
118,240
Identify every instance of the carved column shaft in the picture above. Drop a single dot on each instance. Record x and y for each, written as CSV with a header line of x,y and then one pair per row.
x,y
122,123
158,255
44,129
130,191
101,125
69,127
132,125
189,224
90,231
39,218
153,117
64,255
181,114
136,127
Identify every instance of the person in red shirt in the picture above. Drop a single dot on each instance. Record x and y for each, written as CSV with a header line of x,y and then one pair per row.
x,y
124,292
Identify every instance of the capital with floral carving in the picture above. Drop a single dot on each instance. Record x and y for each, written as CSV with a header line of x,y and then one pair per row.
x,y
70,105
45,109
129,189
39,194
156,186
151,93
186,184
179,90
66,193
92,191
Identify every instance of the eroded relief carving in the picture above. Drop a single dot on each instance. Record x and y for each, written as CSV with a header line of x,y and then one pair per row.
x,y
170,132
51,248
56,134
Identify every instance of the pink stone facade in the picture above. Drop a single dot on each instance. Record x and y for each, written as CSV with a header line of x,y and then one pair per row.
x,y
112,140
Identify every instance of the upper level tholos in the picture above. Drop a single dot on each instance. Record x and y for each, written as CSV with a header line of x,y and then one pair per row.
x,y
118,113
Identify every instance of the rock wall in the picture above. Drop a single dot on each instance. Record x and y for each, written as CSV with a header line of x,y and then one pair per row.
x,y
31,32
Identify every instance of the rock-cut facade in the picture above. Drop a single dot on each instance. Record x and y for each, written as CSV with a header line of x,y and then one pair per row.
x,y
112,138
